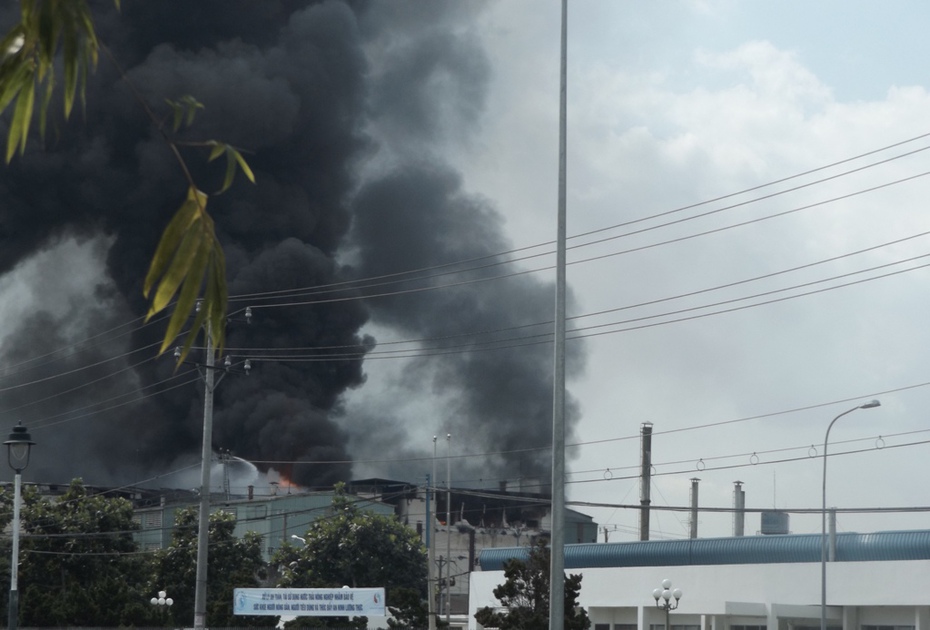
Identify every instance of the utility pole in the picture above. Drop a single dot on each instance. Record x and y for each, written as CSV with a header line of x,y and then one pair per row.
x,y
203,530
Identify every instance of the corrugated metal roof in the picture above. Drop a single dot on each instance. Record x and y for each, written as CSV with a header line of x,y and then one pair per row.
x,y
850,547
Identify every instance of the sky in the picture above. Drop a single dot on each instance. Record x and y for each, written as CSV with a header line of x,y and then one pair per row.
x,y
678,103
744,200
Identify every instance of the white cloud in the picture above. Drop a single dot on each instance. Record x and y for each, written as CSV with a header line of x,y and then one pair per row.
x,y
642,140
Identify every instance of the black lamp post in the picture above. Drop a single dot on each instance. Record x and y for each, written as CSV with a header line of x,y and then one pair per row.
x,y
18,446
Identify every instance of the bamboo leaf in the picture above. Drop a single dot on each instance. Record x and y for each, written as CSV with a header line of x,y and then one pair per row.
x,y
189,258
43,107
190,289
170,240
217,296
28,54
244,166
71,59
12,43
178,117
218,149
18,79
189,120
230,172
19,126
182,266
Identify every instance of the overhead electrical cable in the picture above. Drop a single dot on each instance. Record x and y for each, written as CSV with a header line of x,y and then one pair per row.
x,y
638,221
472,345
93,409
354,283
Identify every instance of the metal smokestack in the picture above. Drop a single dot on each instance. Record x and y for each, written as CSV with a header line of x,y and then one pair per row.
x,y
694,506
739,509
645,480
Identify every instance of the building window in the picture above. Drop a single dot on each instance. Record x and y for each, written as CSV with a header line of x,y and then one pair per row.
x,y
887,627
256,512
686,627
602,626
151,520
749,627
624,626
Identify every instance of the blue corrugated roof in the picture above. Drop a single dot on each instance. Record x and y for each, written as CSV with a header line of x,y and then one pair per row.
x,y
850,547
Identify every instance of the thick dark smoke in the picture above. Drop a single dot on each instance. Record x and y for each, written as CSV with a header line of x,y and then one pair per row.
x,y
332,100
428,92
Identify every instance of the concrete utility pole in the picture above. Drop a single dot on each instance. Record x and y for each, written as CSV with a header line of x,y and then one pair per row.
x,y
203,530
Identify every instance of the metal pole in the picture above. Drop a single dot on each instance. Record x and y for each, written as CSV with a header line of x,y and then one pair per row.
x,y
14,567
645,484
430,543
203,531
557,559
448,521
823,515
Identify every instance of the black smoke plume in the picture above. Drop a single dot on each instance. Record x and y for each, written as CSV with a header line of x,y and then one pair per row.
x,y
337,104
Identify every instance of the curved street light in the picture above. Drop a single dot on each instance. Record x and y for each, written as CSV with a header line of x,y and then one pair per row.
x,y
823,514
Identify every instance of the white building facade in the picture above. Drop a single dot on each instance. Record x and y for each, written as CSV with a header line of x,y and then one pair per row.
x,y
878,582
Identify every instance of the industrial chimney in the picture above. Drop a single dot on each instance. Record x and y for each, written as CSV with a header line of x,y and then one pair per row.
x,y
739,509
694,506
645,480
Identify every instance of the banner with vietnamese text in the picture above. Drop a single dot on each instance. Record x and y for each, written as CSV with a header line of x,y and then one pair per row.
x,y
310,602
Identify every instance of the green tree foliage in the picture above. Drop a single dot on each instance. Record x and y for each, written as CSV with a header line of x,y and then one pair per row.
x,y
525,594
79,564
356,548
232,563
188,264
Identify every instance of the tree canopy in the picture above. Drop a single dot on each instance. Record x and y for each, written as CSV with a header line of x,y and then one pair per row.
x,y
525,595
232,563
356,548
79,564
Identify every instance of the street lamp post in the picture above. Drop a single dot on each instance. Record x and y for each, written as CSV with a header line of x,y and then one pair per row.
x,y
19,446
448,600
823,514
664,596
162,601
431,501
